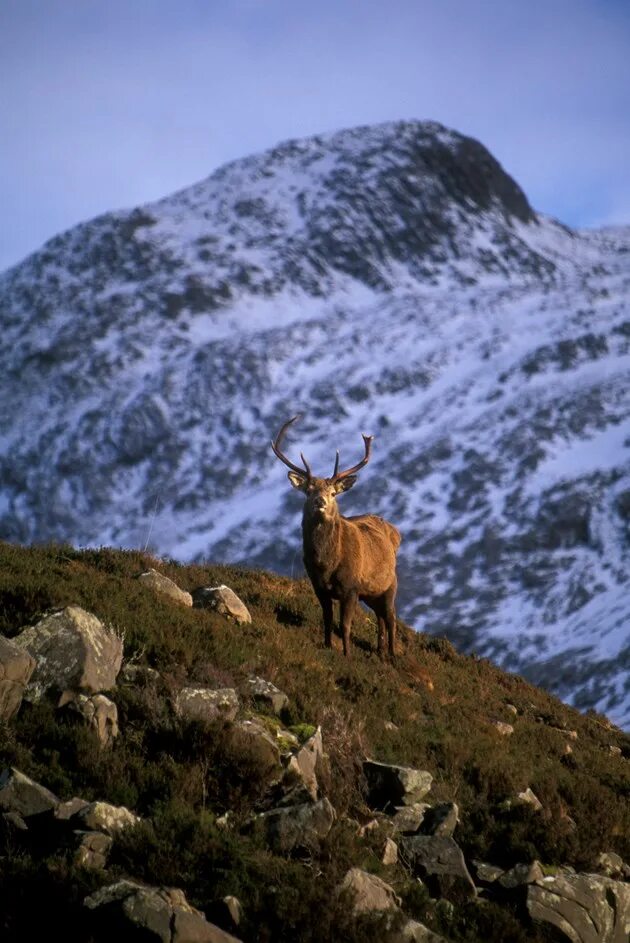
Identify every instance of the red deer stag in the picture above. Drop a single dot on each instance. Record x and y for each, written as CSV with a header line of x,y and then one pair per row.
x,y
346,558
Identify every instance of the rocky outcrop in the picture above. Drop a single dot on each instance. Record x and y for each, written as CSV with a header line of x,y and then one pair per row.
x,y
165,586
224,601
19,793
104,817
582,908
143,913
16,668
73,651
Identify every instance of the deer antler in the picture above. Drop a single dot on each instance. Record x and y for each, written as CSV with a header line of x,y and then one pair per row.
x,y
339,476
279,454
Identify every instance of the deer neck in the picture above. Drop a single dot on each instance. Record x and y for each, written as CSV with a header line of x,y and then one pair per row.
x,y
322,537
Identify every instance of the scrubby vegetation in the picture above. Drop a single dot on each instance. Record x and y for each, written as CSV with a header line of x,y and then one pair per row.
x,y
433,709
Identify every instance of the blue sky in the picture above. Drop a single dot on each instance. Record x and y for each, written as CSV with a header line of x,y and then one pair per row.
x,y
105,104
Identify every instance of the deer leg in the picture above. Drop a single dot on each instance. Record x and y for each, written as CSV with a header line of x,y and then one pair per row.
x,y
347,606
327,612
380,646
390,619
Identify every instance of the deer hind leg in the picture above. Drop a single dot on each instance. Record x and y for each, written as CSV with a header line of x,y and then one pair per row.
x,y
390,618
347,606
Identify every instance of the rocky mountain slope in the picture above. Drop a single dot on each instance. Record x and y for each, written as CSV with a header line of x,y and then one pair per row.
x,y
390,280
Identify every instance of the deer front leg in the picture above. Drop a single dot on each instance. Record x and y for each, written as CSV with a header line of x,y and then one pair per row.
x,y
390,619
347,607
327,612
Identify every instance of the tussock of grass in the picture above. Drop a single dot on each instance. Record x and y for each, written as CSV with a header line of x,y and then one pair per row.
x,y
181,776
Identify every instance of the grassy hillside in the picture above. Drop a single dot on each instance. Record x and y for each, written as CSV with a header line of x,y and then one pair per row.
x,y
433,709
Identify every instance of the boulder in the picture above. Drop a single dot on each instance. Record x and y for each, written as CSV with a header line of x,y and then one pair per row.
x,y
390,786
250,739
65,810
304,763
414,932
298,826
582,908
103,817
165,586
226,912
369,893
409,818
440,820
486,874
224,601
440,864
16,668
136,912
265,694
19,793
92,849
506,730
207,704
100,713
528,797
520,874
612,865
74,651
390,853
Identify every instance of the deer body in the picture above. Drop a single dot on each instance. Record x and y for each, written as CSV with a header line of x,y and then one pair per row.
x,y
348,559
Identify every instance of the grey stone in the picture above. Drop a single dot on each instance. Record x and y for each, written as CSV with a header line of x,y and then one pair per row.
x,y
506,730
440,864
369,893
65,810
100,713
92,850
224,601
19,793
409,818
530,798
74,651
390,852
486,874
265,693
298,826
304,763
525,873
414,932
16,668
440,819
583,908
104,817
390,786
612,865
207,704
165,586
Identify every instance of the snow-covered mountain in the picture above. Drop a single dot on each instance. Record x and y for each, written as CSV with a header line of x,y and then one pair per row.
x,y
391,280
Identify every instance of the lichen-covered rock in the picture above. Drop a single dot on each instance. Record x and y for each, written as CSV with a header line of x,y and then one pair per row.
x,y
224,601
297,826
16,668
74,651
92,850
304,763
409,818
265,693
103,817
369,893
139,912
207,704
440,864
390,786
165,586
583,908
100,713
612,865
19,793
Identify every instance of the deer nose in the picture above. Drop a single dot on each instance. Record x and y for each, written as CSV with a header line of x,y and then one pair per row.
x,y
320,503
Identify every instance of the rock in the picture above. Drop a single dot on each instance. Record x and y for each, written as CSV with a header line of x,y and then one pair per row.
x,y
530,798
103,817
165,586
583,908
368,892
440,864
251,739
506,730
511,709
227,912
440,820
612,865
414,932
65,810
298,826
100,713
16,668
224,601
391,786
304,763
20,794
526,873
207,704
136,912
614,750
92,850
486,874
74,651
390,852
138,674
409,818
265,693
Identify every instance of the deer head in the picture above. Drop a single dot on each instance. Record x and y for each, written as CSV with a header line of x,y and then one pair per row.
x,y
321,493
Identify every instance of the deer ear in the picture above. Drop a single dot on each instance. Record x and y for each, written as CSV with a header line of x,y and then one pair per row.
x,y
345,484
298,481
